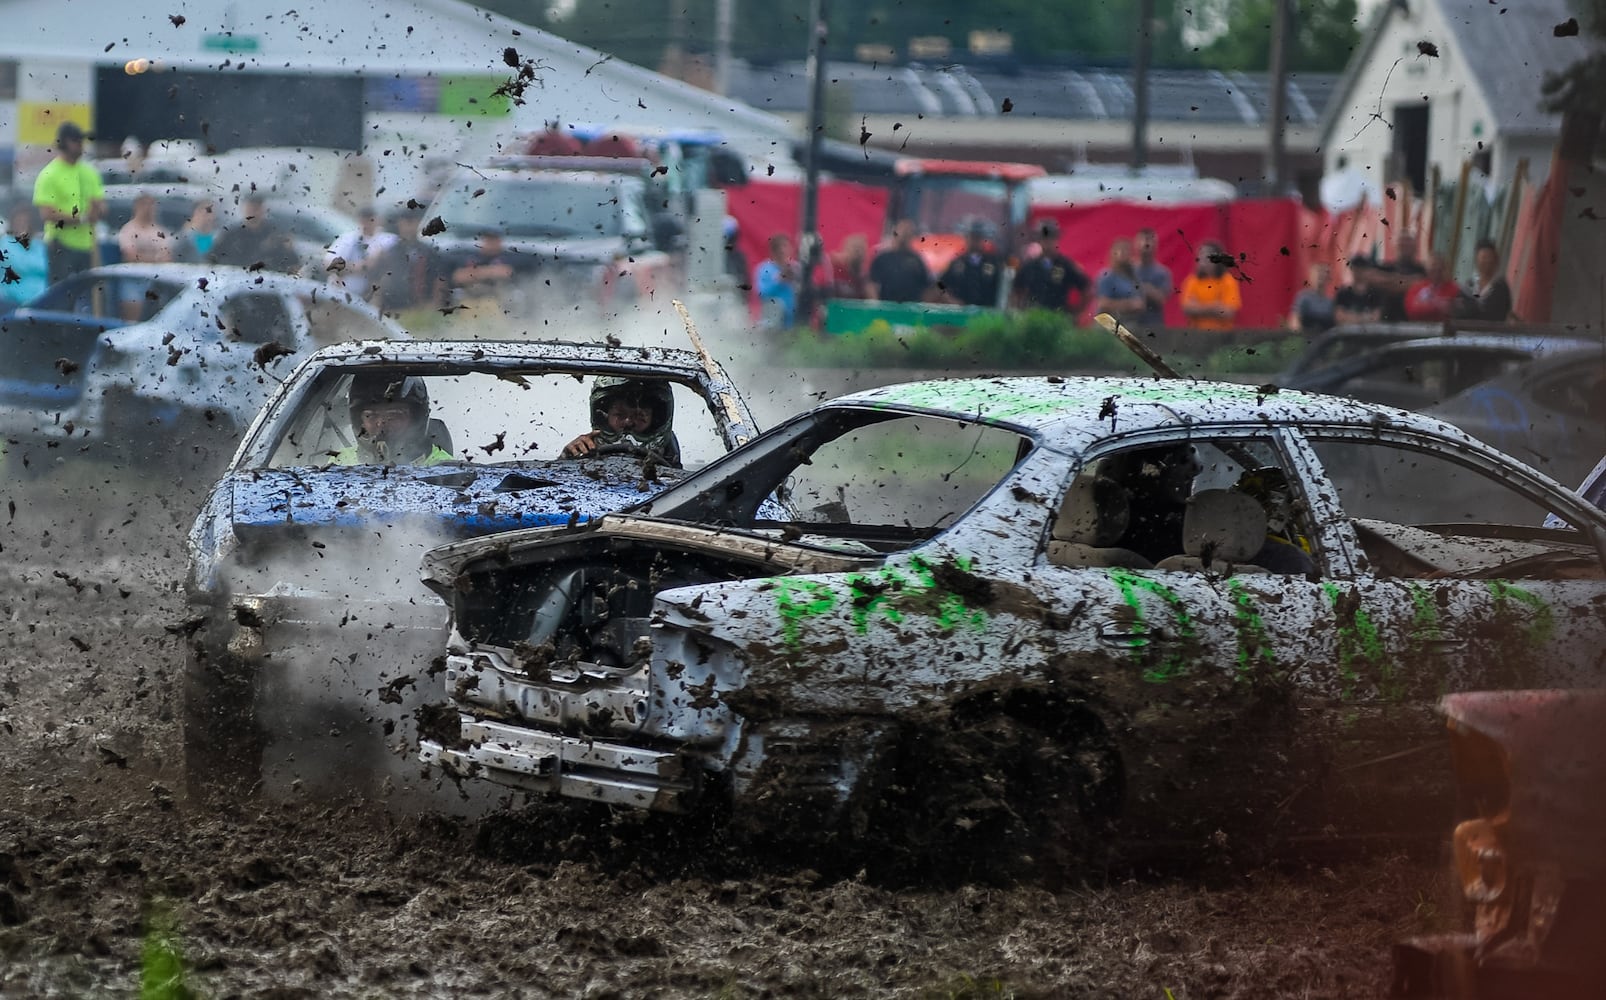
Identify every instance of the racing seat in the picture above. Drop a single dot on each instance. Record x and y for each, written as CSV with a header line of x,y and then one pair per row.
x,y
1221,531
1091,519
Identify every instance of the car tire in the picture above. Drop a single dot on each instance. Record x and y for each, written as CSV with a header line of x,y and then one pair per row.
x,y
1009,790
223,745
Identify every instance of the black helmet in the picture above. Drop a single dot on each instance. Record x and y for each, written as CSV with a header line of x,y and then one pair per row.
x,y
652,394
380,388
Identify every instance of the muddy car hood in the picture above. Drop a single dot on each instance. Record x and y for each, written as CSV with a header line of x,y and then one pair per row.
x,y
443,565
467,498
1554,748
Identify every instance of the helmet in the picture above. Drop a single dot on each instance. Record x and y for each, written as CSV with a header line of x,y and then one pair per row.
x,y
653,395
373,389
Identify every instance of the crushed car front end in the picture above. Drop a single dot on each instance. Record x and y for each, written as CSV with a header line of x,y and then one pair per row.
x,y
582,663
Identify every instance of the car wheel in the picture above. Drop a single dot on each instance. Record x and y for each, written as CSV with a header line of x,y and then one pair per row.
x,y
222,743
1010,790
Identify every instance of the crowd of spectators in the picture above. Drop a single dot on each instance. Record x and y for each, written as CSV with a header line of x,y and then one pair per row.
x,y
1406,289
1134,285
386,262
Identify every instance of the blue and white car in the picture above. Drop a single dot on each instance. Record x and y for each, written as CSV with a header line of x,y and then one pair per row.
x,y
314,633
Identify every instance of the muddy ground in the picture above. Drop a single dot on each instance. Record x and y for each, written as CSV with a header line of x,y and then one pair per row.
x,y
108,873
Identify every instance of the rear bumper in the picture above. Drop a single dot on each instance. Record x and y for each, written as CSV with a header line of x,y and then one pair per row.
x,y
592,770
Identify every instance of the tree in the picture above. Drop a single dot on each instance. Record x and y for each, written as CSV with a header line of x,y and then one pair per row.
x,y
1325,33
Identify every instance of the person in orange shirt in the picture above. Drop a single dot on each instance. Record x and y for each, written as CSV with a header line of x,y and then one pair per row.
x,y
1210,297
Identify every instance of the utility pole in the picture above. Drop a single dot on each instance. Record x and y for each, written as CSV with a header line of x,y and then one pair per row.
x,y
1140,86
819,14
1276,159
675,52
724,20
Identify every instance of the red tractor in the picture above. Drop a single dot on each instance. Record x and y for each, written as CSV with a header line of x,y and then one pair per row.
x,y
942,197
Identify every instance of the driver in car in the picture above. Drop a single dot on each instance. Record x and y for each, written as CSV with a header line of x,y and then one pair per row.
x,y
629,416
390,417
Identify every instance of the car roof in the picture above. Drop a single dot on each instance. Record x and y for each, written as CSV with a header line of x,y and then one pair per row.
x,y
1091,405
493,352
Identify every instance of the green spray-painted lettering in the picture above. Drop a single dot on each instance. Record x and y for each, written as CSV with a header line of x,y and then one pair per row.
x,y
797,600
1358,641
1173,665
890,593
1542,624
1424,655
1254,647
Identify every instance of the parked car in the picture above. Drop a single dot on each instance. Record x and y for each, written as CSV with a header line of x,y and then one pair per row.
x,y
1550,413
1530,770
1012,620
303,572
1416,374
567,216
161,364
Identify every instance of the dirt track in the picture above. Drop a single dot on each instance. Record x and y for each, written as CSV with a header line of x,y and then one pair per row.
x,y
99,850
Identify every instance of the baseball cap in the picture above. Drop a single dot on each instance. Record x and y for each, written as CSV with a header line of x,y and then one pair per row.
x,y
69,132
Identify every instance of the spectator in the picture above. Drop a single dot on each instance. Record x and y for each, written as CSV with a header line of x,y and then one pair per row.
x,y
257,242
409,274
972,278
1392,281
775,282
70,199
1358,301
1047,278
1117,291
1154,279
196,238
1434,296
22,252
1210,296
487,272
1313,306
142,240
849,279
898,273
735,260
1489,297
354,256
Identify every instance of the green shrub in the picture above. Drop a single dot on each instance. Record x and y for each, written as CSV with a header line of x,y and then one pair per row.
x,y
1040,339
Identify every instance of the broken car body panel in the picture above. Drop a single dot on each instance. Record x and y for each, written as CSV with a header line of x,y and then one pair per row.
x,y
802,681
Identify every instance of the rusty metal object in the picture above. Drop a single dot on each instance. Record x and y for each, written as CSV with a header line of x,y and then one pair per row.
x,y
1531,771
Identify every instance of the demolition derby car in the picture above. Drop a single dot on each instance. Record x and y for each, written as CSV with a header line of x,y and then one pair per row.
x,y
311,628
1531,773
1005,618
162,364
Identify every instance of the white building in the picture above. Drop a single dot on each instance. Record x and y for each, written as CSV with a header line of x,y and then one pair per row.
x,y
1400,110
383,80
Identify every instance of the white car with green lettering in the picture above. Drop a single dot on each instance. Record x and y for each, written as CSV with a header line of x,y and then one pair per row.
x,y
1015,620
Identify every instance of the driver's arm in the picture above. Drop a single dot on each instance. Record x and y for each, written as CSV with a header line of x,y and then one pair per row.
x,y
583,445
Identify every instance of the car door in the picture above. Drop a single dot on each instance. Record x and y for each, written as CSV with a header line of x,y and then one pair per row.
x,y
1456,588
1201,668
